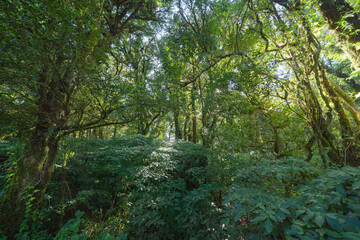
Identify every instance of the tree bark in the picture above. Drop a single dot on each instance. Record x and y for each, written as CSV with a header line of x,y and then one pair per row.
x,y
335,11
54,92
348,136
177,126
194,133
185,128
35,168
308,146
33,174
193,108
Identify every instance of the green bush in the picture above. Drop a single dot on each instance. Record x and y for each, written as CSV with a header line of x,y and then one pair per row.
x,y
276,198
137,187
152,189
71,228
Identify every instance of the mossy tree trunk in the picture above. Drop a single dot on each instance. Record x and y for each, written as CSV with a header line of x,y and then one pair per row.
x,y
338,14
177,125
35,168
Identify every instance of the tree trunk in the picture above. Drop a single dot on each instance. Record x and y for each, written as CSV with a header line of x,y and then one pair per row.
x,y
318,122
193,108
101,133
32,176
276,141
35,168
204,129
62,192
349,139
308,146
194,135
185,128
176,123
335,11
115,129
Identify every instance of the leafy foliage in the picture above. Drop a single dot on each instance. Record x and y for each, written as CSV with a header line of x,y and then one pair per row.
x,y
263,86
138,187
152,188
275,198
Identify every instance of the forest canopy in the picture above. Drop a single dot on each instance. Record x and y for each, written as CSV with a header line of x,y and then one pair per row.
x,y
180,119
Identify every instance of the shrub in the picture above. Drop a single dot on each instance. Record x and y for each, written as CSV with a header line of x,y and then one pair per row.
x,y
277,198
152,189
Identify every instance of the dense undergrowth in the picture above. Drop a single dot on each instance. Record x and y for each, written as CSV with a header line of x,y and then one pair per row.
x,y
138,187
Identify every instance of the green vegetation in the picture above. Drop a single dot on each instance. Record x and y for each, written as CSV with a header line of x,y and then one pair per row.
x,y
180,119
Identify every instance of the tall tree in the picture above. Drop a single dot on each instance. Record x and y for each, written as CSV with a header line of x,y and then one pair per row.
x,y
52,51
344,20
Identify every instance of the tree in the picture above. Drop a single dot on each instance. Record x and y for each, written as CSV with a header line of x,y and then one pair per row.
x,y
53,52
235,76
330,93
344,20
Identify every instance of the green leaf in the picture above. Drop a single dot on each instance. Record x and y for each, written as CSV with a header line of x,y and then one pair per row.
x,y
299,229
273,218
305,238
268,226
355,207
356,185
333,234
280,216
352,221
351,236
260,205
238,216
319,220
299,212
341,190
334,224
284,210
309,216
291,231
355,73
259,219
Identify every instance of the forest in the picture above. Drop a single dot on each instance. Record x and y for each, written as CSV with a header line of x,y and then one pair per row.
x,y
180,119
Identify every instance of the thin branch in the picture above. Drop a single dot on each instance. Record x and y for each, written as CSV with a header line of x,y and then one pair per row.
x,y
210,66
